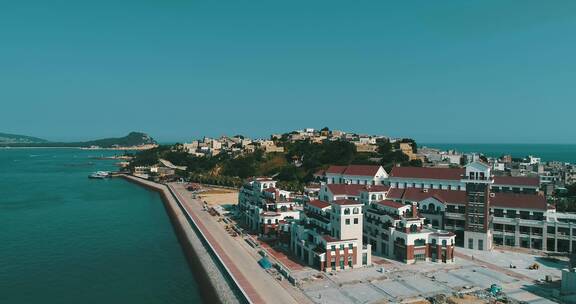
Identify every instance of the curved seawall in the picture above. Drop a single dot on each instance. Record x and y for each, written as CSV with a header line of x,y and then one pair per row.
x,y
217,285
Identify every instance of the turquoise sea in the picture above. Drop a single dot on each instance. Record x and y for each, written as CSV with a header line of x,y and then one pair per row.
x,y
67,239
548,152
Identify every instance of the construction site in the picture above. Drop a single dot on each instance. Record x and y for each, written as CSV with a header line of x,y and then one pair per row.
x,y
476,277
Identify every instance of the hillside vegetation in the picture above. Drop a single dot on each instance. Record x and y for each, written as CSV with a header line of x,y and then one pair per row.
x,y
293,168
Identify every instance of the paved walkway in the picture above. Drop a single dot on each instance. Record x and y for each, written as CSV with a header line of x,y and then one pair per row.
x,y
258,285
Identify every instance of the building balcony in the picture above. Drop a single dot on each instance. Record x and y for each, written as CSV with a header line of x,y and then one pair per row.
x,y
530,222
454,215
504,220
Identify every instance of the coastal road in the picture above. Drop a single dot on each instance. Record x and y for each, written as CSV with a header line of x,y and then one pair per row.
x,y
259,285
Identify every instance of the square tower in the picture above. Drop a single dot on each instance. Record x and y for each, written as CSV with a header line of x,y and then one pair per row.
x,y
477,232
347,224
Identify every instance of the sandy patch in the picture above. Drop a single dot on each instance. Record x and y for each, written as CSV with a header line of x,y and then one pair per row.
x,y
219,196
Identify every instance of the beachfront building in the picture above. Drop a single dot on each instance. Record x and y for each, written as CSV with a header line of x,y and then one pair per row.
x,y
354,175
484,210
267,210
328,236
397,230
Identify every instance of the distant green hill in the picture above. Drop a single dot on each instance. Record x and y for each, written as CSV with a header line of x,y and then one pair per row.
x,y
19,139
132,139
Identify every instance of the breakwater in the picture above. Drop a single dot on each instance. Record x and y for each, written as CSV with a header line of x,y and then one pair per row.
x,y
217,285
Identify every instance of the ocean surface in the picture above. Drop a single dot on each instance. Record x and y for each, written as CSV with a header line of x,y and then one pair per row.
x,y
65,238
548,152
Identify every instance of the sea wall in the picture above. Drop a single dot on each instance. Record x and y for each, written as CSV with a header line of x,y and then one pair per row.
x,y
214,283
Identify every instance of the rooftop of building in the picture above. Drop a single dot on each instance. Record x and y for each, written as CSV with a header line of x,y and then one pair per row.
x,y
517,200
455,197
354,170
517,181
319,204
376,188
345,189
391,204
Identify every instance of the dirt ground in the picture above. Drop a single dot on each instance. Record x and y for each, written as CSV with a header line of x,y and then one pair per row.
x,y
220,196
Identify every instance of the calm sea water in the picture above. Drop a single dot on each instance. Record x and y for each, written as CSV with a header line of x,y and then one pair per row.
x,y
548,152
67,239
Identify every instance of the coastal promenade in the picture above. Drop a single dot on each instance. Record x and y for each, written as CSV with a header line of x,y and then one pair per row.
x,y
258,285
255,285
215,285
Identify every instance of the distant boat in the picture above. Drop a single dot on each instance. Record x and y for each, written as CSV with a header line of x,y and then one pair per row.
x,y
99,175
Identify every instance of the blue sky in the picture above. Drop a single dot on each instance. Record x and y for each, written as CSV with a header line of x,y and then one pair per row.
x,y
180,69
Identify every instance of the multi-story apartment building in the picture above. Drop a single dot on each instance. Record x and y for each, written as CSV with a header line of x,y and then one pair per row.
x,y
484,209
329,235
267,210
397,230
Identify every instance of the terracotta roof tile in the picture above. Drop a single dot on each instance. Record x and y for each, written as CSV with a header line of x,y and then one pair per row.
x,y
392,204
515,200
376,188
455,197
355,170
319,204
344,189
335,169
517,181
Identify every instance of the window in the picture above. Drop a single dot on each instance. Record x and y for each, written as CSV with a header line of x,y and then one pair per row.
x,y
341,246
333,247
356,221
419,242
347,211
356,210
347,221
470,244
480,244
420,257
350,246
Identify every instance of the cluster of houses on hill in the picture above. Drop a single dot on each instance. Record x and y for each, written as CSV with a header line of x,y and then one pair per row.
x,y
238,145
411,214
